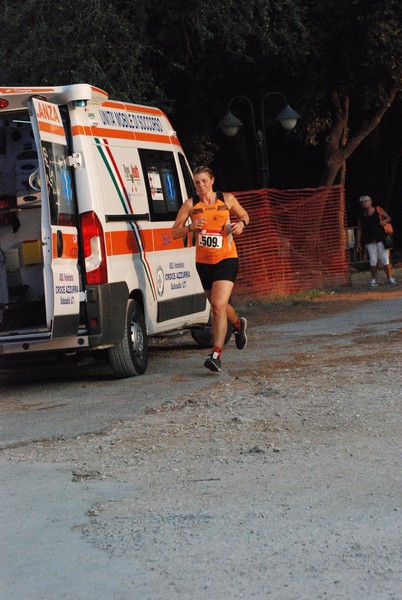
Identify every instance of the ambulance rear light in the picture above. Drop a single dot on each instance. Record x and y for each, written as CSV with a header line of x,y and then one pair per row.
x,y
3,103
94,249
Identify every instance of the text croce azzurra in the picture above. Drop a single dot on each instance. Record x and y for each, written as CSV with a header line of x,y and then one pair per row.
x,y
130,120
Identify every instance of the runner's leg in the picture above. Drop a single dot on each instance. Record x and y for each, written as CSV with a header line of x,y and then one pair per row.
x,y
219,299
231,315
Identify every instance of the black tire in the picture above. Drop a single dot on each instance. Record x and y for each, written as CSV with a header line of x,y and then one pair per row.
x,y
203,337
129,357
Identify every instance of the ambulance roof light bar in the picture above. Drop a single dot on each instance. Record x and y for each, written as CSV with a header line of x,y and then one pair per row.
x,y
75,93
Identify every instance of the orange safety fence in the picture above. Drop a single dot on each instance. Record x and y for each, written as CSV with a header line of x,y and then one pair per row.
x,y
296,240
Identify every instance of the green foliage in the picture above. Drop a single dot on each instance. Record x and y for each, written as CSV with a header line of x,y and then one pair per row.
x,y
190,57
91,41
357,50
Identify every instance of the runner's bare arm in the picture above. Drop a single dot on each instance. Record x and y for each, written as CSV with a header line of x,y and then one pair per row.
x,y
179,228
234,205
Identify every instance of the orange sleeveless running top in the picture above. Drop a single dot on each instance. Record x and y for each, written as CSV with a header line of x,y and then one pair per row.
x,y
215,242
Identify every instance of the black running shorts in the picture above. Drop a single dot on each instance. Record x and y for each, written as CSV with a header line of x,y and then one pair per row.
x,y
224,270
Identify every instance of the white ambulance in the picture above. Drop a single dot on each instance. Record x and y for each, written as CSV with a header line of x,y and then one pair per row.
x,y
89,191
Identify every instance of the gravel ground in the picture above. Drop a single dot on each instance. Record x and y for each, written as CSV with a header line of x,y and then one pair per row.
x,y
278,480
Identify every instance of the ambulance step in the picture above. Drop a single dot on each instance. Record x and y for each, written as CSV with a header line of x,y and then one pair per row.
x,y
37,343
32,333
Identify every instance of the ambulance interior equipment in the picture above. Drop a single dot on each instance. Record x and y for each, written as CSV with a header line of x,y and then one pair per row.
x,y
21,280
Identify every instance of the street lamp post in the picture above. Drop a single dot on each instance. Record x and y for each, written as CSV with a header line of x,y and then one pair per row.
x,y
230,125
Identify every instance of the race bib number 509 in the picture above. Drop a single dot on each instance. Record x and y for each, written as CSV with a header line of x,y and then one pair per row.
x,y
210,239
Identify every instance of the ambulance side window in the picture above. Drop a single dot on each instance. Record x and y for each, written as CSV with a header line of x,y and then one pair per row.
x,y
188,178
59,184
162,184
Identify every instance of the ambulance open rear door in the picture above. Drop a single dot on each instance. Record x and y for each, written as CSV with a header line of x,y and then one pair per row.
x,y
58,220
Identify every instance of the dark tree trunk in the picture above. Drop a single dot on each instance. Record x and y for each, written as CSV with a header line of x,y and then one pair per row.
x,y
338,146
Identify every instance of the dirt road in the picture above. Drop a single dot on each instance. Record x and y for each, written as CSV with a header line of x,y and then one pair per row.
x,y
279,478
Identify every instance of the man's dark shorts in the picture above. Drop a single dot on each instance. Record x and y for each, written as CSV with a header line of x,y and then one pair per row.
x,y
224,270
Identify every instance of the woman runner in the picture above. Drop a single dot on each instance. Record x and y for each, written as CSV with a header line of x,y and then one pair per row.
x,y
216,255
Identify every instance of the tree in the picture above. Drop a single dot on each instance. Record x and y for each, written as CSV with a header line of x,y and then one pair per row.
x,y
339,64
358,55
339,145
47,43
205,53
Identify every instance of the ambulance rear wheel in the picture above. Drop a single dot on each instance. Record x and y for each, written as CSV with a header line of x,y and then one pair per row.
x,y
129,357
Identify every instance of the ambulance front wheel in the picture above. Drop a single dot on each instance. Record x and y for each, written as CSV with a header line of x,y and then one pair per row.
x,y
129,357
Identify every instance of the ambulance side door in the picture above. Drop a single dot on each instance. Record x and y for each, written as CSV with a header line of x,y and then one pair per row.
x,y
59,219
180,297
